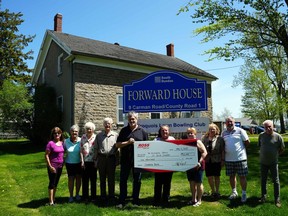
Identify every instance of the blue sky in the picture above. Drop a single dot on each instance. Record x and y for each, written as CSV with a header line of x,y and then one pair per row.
x,y
141,24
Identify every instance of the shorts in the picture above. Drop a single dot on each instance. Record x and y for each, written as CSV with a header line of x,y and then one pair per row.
x,y
73,169
213,169
237,167
195,175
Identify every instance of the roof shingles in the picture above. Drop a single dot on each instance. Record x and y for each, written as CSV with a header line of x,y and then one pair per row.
x,y
89,47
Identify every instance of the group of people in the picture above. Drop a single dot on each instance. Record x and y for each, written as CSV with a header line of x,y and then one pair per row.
x,y
83,157
91,152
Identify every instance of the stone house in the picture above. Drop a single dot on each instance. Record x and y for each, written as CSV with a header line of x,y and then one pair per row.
x,y
88,76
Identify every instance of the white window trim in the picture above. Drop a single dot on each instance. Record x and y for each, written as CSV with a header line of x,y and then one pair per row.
x,y
118,96
60,64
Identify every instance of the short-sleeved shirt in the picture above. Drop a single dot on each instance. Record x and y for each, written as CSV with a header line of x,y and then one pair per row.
x,y
105,143
56,155
269,147
87,147
127,152
72,151
234,144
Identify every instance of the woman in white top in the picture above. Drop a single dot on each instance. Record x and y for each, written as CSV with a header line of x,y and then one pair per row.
x,y
87,162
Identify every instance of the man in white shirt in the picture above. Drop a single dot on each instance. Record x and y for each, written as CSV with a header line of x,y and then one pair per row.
x,y
236,141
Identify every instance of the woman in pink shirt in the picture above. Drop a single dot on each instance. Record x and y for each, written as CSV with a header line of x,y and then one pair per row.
x,y
54,155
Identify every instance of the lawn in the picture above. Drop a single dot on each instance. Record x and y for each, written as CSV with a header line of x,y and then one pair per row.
x,y
23,186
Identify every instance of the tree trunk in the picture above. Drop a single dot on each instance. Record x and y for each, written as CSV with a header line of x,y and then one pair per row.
x,y
282,123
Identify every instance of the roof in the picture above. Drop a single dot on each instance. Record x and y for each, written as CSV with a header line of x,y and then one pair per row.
x,y
246,121
85,46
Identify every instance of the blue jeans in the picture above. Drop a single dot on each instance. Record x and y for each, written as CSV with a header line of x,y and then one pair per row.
x,y
124,174
275,179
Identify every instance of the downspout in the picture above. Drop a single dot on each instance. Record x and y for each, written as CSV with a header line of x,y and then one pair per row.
x,y
72,100
72,93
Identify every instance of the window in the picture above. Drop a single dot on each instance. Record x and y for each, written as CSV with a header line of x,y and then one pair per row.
x,y
60,103
43,74
121,117
155,115
197,114
60,64
185,114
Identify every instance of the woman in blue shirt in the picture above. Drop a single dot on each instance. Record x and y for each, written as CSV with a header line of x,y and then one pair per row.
x,y
73,162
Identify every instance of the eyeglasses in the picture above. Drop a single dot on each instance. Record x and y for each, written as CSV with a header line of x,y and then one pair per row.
x,y
56,133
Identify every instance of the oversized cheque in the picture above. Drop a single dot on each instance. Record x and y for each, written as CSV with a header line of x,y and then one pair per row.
x,y
161,156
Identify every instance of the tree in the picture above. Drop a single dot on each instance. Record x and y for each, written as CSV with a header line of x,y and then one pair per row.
x,y
245,24
13,59
15,104
259,98
271,61
224,114
250,29
15,99
275,67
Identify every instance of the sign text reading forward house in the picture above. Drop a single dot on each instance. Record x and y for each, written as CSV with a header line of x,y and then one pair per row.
x,y
165,91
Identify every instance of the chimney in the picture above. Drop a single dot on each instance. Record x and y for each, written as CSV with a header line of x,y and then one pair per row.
x,y
170,49
58,22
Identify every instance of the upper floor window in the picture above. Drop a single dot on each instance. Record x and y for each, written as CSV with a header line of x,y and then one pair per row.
x,y
60,63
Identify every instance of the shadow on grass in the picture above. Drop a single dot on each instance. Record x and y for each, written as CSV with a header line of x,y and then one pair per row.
x,y
34,204
175,202
19,147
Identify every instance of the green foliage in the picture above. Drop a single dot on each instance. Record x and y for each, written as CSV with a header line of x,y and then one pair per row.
x,y
245,25
259,100
16,107
13,64
15,99
255,31
265,84
65,134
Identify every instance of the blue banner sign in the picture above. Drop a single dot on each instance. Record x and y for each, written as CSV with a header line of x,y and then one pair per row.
x,y
165,91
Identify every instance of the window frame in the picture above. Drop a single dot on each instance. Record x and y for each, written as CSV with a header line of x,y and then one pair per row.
x,y
60,61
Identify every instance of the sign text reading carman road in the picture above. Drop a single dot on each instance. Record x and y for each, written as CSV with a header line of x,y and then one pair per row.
x,y
165,91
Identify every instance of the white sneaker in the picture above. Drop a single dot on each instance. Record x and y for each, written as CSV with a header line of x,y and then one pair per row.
x,y
234,195
197,204
244,198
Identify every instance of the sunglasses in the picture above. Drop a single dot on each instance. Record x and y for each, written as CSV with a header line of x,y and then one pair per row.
x,y
56,133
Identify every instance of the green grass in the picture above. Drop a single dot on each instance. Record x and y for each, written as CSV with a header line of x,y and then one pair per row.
x,y
23,189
